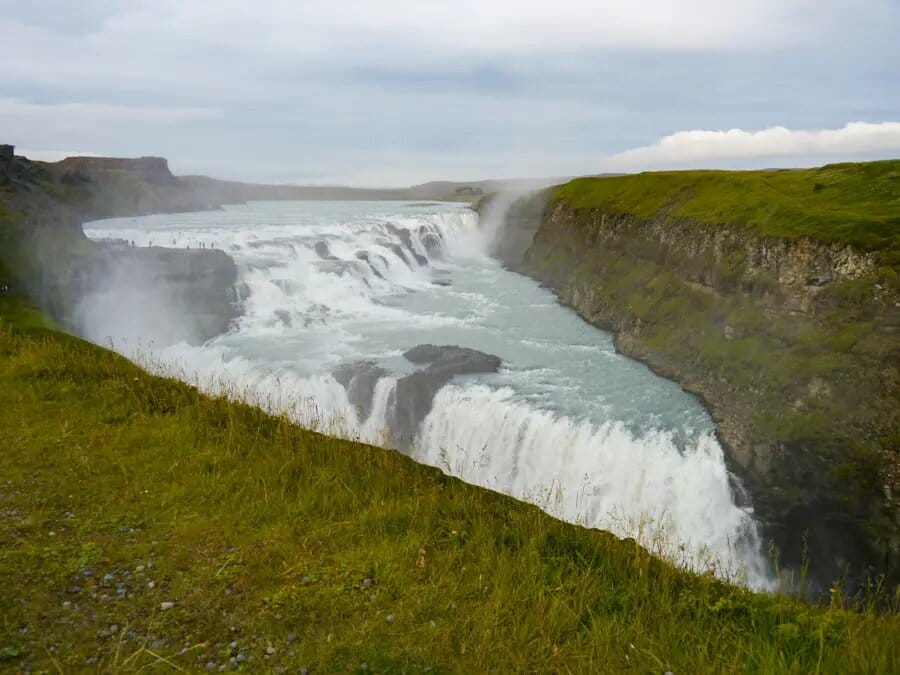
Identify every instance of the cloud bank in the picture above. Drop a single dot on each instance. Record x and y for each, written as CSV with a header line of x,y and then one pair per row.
x,y
709,147
404,91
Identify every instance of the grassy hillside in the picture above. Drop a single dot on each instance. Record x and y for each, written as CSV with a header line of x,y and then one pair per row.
x,y
854,203
142,523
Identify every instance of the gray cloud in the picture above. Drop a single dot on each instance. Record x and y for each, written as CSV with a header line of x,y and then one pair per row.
x,y
403,91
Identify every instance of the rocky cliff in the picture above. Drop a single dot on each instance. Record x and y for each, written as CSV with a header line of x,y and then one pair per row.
x,y
44,253
793,343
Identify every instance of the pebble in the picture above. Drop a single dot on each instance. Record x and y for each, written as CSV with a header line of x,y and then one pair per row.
x,y
109,576
304,671
212,665
74,590
241,658
292,637
166,605
389,618
368,583
87,571
233,644
306,580
139,569
67,604
114,629
270,650
151,585
363,666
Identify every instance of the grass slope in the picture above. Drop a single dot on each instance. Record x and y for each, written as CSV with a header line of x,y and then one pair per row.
x,y
854,203
121,491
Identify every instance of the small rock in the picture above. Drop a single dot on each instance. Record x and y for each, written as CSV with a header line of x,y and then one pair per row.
x,y
292,637
241,658
233,644
166,605
67,604
90,661
389,618
109,577
124,528
368,583
151,585
228,591
149,565
270,650
233,661
304,670
363,666
87,571
223,668
139,569
306,580
74,590
114,629
212,665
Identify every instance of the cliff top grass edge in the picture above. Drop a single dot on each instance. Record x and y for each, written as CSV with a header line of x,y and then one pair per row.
x,y
850,203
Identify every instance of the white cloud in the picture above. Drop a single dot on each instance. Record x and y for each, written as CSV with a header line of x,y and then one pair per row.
x,y
707,147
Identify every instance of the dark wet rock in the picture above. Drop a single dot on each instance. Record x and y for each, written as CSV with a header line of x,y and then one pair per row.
x,y
414,393
284,316
398,251
323,251
359,379
366,258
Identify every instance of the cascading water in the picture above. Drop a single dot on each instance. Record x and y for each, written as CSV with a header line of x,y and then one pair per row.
x,y
334,294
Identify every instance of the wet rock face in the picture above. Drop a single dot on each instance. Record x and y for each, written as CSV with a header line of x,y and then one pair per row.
x,y
359,379
414,393
413,396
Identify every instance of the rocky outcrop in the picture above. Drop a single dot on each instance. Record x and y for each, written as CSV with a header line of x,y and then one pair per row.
x,y
45,254
411,400
793,344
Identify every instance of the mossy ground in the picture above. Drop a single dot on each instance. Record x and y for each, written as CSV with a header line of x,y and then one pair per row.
x,y
854,203
121,491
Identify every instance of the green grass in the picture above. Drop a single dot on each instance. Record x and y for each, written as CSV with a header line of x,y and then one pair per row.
x,y
855,203
262,534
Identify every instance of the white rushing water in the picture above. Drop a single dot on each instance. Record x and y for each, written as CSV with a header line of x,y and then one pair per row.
x,y
587,434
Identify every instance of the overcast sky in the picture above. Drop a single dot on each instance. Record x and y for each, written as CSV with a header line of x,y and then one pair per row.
x,y
397,92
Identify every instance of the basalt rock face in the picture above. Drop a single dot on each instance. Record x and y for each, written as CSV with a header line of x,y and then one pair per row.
x,y
794,346
412,398
45,254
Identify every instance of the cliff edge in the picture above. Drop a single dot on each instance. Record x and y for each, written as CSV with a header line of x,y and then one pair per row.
x,y
775,297
45,255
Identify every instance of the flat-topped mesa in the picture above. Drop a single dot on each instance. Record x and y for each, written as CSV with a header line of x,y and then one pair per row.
x,y
151,169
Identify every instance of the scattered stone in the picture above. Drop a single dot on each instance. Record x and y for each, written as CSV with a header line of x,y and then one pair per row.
x,y
228,591
139,569
233,644
114,628
368,583
149,565
292,637
67,604
166,605
109,577
87,572
270,650
212,665
151,585
241,657
306,580
363,666
74,590
90,661
389,618
304,670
